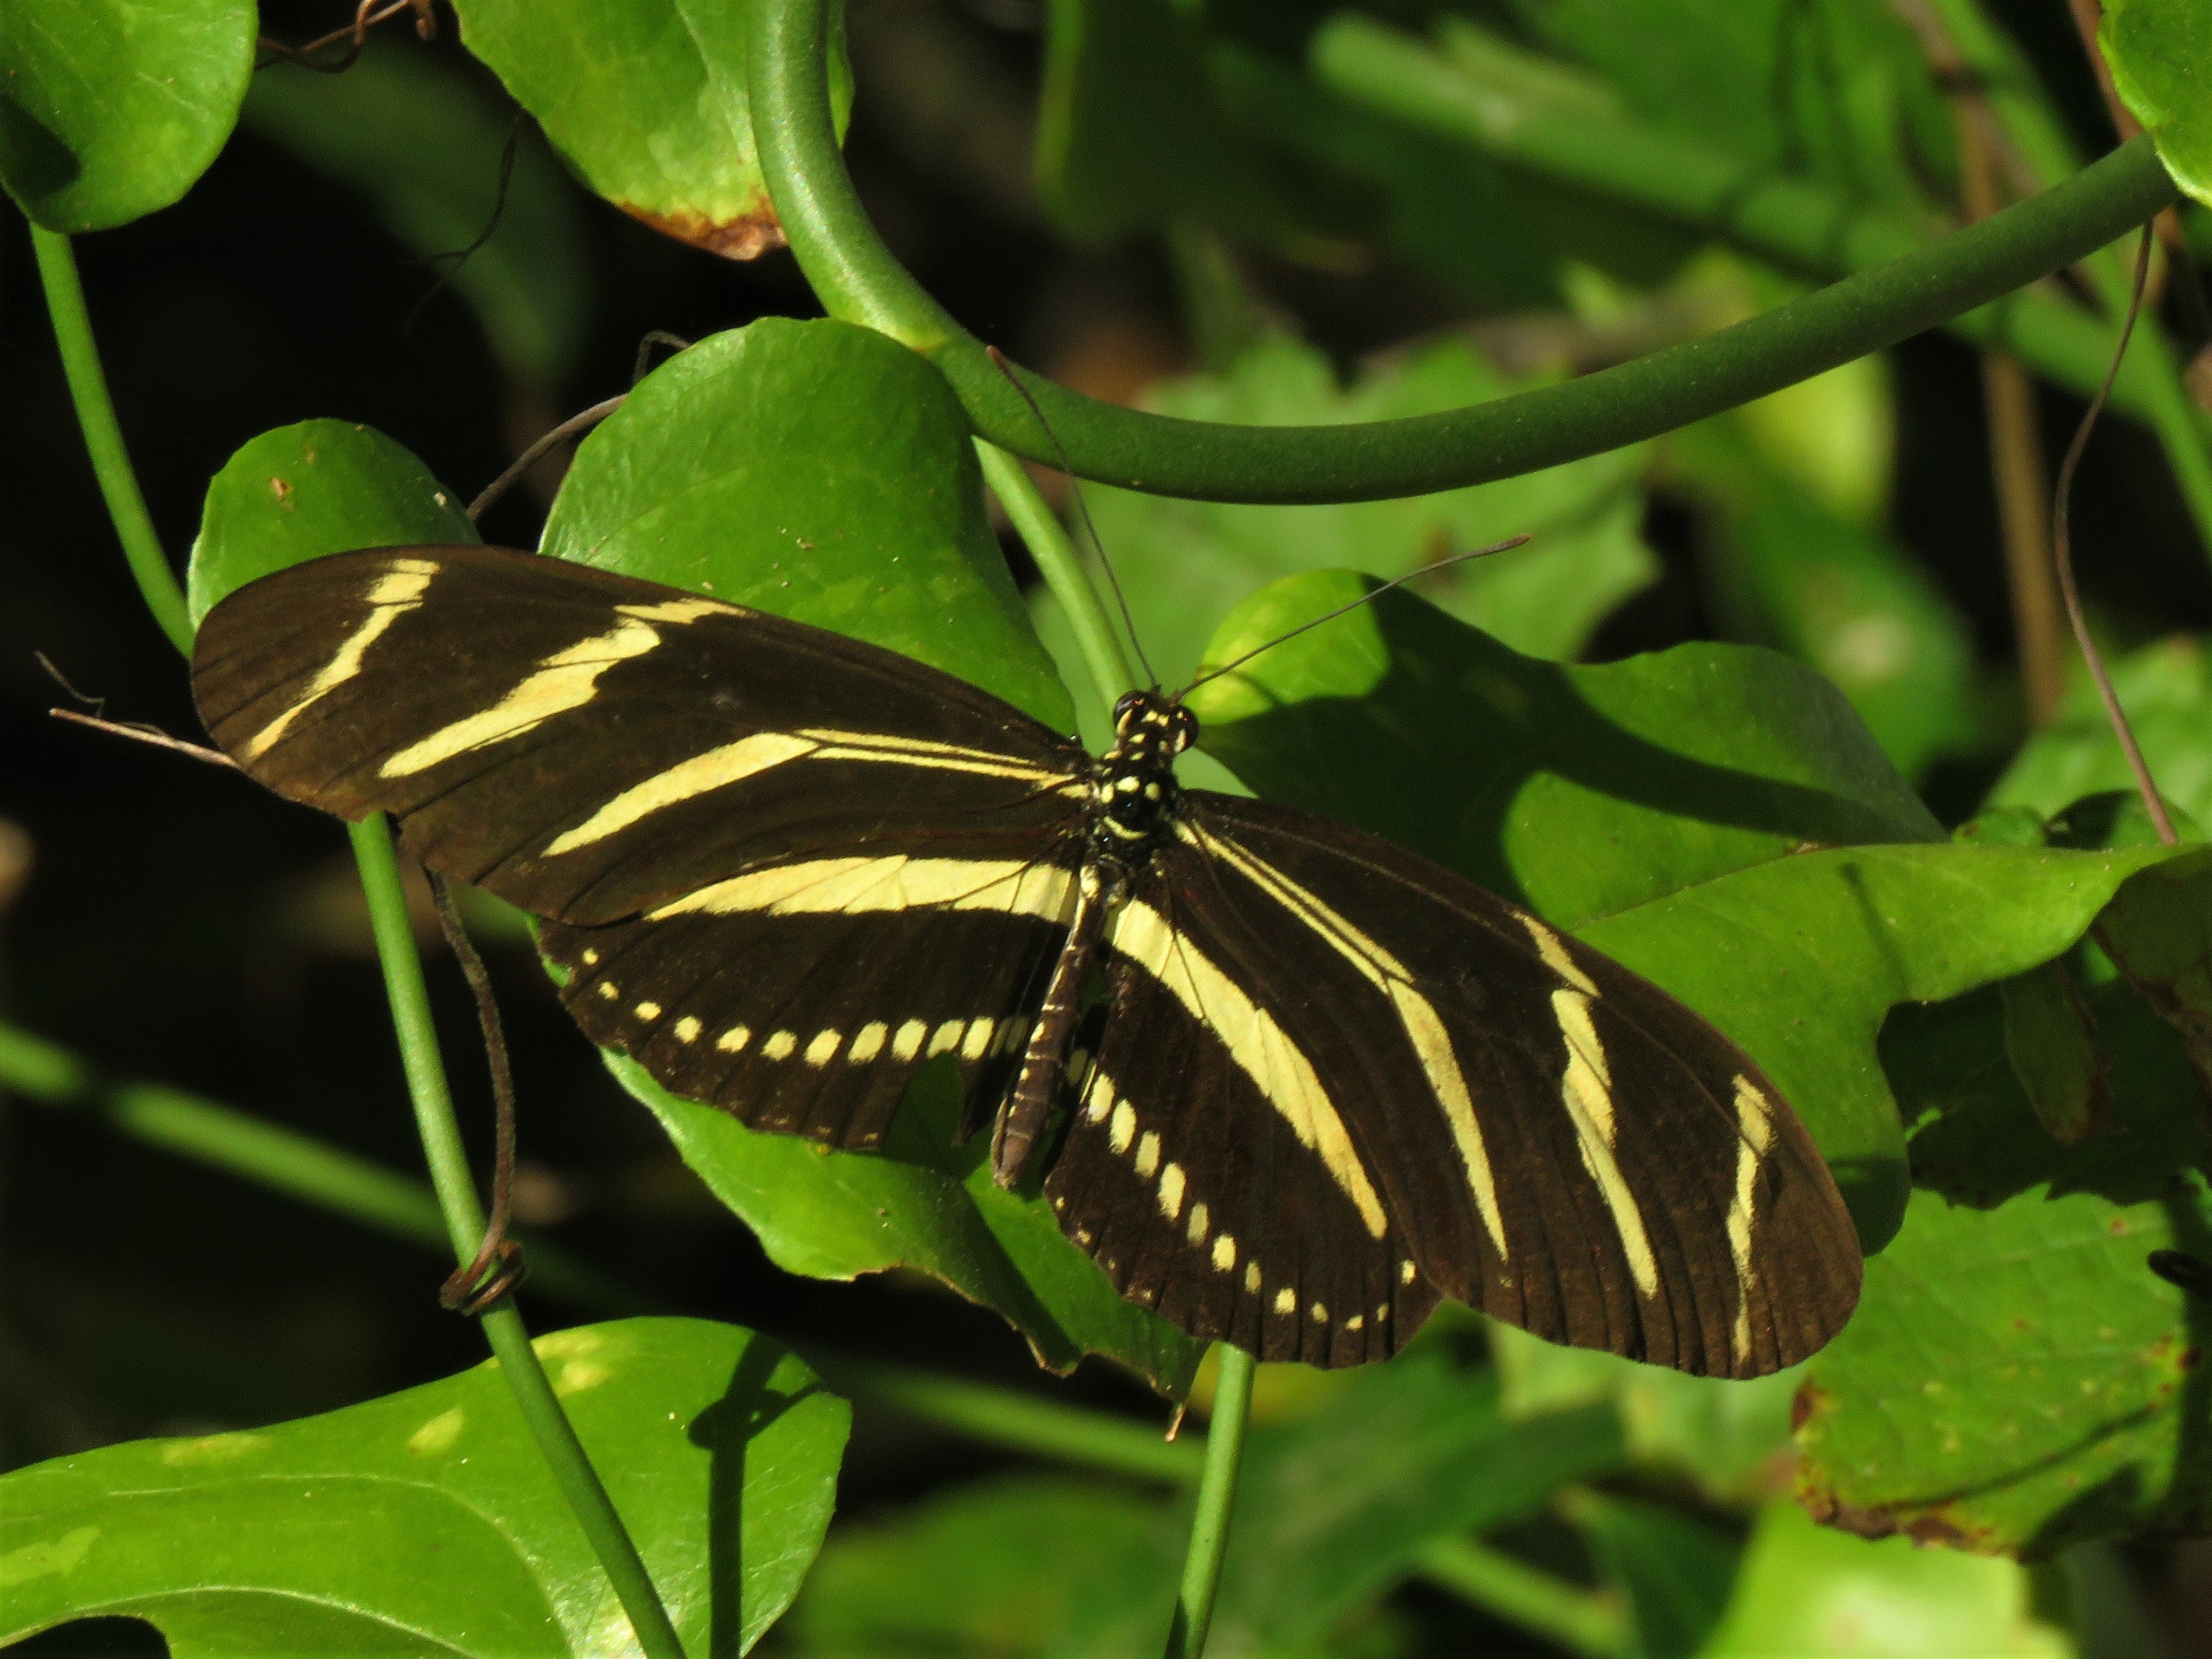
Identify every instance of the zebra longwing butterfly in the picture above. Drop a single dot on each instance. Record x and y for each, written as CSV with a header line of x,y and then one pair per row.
x,y
1289,1082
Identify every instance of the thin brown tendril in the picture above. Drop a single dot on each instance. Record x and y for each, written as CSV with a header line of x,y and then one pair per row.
x,y
530,457
1368,597
2062,557
498,1267
1083,510
356,35
151,735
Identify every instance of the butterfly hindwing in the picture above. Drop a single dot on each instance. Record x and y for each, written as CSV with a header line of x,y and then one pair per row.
x,y
1423,1078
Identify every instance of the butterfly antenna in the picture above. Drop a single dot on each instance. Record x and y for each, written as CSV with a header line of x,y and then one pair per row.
x,y
1082,511
1368,597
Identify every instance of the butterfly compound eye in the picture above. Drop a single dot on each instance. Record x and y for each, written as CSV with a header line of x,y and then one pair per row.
x,y
1124,706
1182,731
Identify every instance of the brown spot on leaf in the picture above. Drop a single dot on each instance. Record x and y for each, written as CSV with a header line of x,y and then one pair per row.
x,y
1935,1526
1806,1404
281,491
745,237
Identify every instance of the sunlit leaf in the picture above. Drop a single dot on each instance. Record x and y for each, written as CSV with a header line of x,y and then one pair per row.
x,y
647,101
111,108
427,1521
2158,50
301,491
1814,1593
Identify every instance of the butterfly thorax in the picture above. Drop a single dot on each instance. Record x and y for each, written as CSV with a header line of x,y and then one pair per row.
x,y
1134,790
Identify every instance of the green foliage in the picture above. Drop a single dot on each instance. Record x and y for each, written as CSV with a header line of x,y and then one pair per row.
x,y
1187,564
817,470
2002,1038
111,108
925,1203
301,491
1820,1595
426,1519
2157,50
648,102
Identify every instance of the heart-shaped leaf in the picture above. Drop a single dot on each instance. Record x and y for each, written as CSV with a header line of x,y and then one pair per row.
x,y
426,1521
647,101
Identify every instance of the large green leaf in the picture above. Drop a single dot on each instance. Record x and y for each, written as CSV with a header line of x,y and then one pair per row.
x,y
408,132
1814,1593
426,1521
925,1203
1578,790
821,471
1672,810
1185,565
111,108
647,101
2166,689
301,491
2158,51
2016,1378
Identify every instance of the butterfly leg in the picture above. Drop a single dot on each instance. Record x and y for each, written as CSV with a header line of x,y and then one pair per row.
x,y
1022,1121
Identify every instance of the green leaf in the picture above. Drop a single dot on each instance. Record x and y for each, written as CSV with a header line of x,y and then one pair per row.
x,y
298,492
2052,1046
426,1521
111,108
1186,565
1675,1571
926,1204
1661,807
1844,598
998,1569
2158,51
2167,690
2017,1379
1835,89
413,136
1720,1435
1434,203
1814,1593
1334,1509
1578,790
647,100
1131,134
821,471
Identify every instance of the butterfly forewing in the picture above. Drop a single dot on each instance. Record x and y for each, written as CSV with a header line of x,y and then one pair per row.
x,y
763,848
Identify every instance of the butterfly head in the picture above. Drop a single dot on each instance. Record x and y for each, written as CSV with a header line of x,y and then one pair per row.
x,y
1135,787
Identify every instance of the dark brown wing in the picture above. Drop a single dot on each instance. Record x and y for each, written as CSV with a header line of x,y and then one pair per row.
x,y
1383,1083
735,823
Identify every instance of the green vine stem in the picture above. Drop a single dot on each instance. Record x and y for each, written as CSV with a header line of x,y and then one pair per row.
x,y
857,277
103,437
455,1184
509,1339
1062,569
1217,1494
